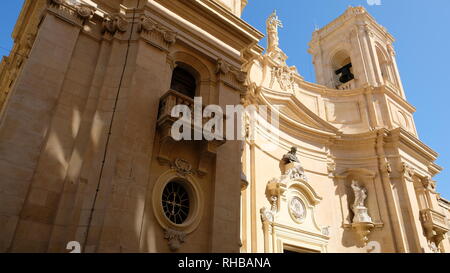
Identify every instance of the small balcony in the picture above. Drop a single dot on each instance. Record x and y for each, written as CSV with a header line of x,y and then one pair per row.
x,y
167,102
435,225
165,122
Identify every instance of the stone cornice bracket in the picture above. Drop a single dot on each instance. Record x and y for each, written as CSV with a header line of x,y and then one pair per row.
x,y
407,171
156,34
387,168
175,238
147,25
170,37
113,24
274,191
391,50
232,76
331,168
429,184
85,12
248,96
222,67
71,13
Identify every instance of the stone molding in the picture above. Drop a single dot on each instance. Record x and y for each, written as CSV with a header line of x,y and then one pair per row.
x,y
156,34
231,76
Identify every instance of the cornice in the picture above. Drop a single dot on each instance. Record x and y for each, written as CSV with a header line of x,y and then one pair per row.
x,y
444,202
217,15
369,137
215,39
352,13
295,105
400,134
390,93
231,19
334,93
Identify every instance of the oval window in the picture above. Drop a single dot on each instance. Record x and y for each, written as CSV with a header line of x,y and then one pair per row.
x,y
176,202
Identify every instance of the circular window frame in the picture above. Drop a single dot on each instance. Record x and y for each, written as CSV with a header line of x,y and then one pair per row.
x,y
195,196
305,207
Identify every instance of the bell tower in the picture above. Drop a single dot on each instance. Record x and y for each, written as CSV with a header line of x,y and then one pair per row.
x,y
355,51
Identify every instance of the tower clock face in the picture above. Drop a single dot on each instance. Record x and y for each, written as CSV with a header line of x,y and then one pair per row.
x,y
297,209
176,203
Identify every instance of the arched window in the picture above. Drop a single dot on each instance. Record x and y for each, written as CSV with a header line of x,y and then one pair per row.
x,y
343,68
183,81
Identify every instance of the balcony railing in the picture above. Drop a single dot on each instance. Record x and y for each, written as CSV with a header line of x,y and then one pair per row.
x,y
173,98
434,224
347,86
434,219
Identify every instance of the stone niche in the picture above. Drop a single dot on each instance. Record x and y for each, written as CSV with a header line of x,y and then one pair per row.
x,y
359,203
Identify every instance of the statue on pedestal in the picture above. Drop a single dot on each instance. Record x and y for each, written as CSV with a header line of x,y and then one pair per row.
x,y
362,222
359,208
292,167
273,23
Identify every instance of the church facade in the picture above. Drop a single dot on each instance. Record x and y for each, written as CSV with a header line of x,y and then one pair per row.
x,y
88,157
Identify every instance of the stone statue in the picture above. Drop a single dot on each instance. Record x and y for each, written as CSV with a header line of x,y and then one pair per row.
x,y
291,156
360,194
273,23
292,167
359,208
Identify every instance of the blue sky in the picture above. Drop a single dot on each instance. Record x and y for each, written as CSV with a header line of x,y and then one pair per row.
x,y
422,46
423,52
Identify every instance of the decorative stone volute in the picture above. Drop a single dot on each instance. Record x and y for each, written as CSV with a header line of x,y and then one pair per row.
x,y
86,12
175,238
115,23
